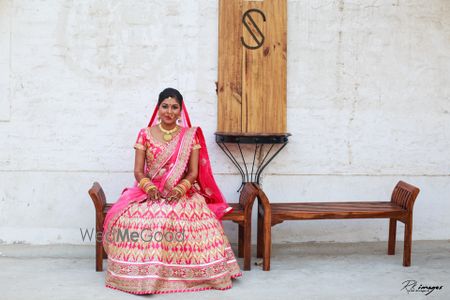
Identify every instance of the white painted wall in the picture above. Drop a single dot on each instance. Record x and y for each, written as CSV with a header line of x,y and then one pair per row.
x,y
368,104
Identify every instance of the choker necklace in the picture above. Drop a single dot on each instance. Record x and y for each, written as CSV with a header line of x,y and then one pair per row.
x,y
167,133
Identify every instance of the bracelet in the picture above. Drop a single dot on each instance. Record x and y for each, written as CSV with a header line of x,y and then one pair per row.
x,y
143,181
181,189
150,188
146,185
186,184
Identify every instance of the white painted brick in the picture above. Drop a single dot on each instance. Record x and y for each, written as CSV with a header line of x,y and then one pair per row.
x,y
368,104
5,35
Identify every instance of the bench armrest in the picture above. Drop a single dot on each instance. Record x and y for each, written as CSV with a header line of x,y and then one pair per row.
x,y
405,195
98,197
264,204
248,196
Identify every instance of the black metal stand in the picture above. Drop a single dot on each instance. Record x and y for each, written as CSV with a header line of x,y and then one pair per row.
x,y
259,141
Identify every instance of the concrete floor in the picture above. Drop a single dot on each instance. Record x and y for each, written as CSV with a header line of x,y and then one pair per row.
x,y
299,271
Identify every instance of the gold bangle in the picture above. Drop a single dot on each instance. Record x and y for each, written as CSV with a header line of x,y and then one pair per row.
x,y
184,187
146,185
149,188
143,181
180,190
187,183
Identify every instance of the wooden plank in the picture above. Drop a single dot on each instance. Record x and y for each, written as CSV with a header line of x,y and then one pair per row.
x,y
264,70
229,85
252,82
336,206
335,210
297,215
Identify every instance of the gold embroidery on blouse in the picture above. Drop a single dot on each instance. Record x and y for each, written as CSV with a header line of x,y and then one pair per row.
x,y
165,154
184,158
139,146
149,155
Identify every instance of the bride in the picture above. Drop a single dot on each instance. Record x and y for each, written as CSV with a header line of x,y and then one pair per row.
x,y
164,234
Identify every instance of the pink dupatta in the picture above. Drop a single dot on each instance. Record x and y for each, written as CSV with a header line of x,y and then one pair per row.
x,y
178,156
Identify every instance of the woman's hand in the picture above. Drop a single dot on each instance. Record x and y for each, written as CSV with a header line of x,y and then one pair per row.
x,y
153,195
174,195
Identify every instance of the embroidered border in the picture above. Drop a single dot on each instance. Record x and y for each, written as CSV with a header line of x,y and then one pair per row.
x,y
163,156
139,146
185,152
152,286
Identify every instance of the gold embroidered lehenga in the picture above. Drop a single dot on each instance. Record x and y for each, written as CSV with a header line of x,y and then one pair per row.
x,y
162,247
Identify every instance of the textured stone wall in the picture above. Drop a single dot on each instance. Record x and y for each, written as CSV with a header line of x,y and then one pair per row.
x,y
368,105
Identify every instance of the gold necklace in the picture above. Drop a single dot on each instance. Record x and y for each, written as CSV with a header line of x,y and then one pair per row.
x,y
167,136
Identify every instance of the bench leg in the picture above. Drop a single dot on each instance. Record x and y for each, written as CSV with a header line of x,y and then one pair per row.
x,y
392,236
99,251
240,240
247,244
267,242
407,244
260,238
99,256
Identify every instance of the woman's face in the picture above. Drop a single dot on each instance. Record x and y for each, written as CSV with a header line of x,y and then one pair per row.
x,y
169,111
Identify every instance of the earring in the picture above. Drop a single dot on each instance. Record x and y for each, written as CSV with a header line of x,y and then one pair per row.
x,y
179,121
159,120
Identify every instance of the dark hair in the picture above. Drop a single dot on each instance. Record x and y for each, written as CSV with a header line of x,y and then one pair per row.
x,y
170,92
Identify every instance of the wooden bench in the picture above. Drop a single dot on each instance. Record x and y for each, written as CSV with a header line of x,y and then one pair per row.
x,y
241,214
400,208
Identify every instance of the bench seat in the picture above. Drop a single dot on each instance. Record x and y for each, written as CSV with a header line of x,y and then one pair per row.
x,y
335,210
237,215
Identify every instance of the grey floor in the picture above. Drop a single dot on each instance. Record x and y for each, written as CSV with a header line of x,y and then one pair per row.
x,y
299,271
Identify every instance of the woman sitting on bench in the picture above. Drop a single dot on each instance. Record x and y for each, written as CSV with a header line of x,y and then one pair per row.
x,y
164,235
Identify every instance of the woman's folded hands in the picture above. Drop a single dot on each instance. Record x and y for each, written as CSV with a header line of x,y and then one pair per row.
x,y
149,188
179,190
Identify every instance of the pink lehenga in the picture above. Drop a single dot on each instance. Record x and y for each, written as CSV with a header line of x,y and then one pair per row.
x,y
162,247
